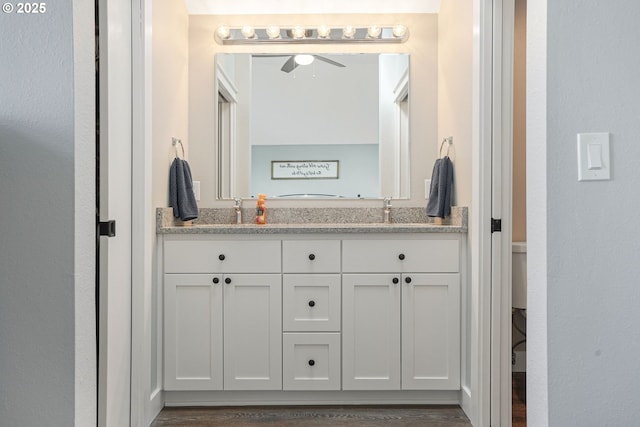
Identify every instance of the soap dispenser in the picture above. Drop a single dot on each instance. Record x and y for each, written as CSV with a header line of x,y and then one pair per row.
x,y
261,209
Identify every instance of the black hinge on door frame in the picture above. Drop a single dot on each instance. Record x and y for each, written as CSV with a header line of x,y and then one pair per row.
x,y
496,225
107,228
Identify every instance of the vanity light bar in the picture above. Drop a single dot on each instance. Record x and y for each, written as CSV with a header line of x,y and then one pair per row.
x,y
311,35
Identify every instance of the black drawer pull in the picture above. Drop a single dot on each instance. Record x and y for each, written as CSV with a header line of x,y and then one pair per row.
x,y
216,280
221,257
395,280
227,280
407,279
312,362
312,257
401,257
312,303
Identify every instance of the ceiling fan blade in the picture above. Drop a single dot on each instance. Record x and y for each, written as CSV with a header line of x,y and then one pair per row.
x,y
329,61
290,65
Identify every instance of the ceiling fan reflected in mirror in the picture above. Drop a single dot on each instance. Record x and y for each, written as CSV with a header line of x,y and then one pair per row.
x,y
303,59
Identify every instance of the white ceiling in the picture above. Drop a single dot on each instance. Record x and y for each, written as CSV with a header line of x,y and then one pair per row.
x,y
259,7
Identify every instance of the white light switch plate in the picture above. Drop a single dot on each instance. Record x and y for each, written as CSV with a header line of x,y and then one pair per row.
x,y
593,156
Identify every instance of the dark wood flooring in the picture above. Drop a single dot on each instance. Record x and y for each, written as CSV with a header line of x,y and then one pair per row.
x,y
315,416
519,399
336,416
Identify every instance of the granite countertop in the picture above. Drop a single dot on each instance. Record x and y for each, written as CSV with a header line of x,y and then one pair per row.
x,y
313,220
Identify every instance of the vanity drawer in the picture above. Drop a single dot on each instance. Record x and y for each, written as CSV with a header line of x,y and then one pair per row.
x,y
311,256
381,256
311,302
206,256
311,361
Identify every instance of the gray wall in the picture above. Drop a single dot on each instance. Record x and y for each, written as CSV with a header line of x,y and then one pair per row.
x,y
592,238
38,219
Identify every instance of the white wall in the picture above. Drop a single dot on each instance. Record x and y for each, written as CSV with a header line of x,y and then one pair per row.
x,y
47,142
592,242
455,78
170,81
315,104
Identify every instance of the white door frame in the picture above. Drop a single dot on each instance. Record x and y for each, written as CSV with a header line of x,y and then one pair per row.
x,y
147,398
501,191
491,198
114,369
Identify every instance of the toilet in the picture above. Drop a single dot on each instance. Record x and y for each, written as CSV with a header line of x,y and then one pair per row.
x,y
519,275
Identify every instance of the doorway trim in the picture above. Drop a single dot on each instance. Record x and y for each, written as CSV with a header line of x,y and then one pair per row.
x,y
146,401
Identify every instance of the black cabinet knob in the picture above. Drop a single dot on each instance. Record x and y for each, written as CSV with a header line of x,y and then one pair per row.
x,y
312,257
395,280
312,362
216,280
221,257
227,280
312,303
407,279
401,257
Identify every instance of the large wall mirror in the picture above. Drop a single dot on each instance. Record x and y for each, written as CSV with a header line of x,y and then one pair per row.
x,y
321,125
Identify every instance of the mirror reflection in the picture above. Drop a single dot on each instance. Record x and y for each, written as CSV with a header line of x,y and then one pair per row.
x,y
317,124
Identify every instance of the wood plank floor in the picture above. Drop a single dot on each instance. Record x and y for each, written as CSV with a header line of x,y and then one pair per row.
x,y
519,399
336,416
315,416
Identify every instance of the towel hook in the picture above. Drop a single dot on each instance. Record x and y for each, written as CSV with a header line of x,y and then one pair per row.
x,y
449,140
175,142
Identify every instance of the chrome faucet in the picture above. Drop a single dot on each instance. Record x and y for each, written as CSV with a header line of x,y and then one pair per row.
x,y
238,209
387,210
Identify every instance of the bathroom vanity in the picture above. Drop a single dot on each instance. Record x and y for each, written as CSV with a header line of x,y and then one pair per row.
x,y
317,312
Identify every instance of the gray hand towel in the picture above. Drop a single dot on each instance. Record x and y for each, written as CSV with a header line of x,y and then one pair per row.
x,y
181,196
439,204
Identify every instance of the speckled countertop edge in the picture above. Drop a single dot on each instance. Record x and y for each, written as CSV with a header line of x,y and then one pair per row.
x,y
305,221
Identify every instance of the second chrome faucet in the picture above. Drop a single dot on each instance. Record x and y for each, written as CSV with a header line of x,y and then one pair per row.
x,y
387,210
238,209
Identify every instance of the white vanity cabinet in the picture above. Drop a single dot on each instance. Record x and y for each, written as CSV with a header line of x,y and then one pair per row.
x,y
311,314
222,310
401,314
344,317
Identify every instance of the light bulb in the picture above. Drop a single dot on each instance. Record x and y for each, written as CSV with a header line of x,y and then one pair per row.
x,y
273,31
223,32
324,31
304,59
399,31
298,32
349,31
248,31
374,31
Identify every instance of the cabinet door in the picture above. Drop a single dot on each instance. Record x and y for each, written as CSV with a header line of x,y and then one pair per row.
x,y
192,332
431,332
371,332
252,332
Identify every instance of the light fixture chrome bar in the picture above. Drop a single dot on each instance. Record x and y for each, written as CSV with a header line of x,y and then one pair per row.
x,y
311,35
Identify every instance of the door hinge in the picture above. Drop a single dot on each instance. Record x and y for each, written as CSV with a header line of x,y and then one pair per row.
x,y
107,228
496,225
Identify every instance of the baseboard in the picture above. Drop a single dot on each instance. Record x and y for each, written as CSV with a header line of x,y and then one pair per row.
x,y
246,398
156,403
465,402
